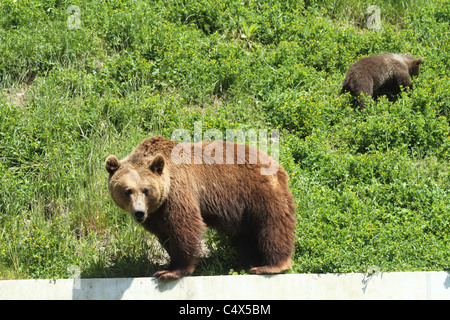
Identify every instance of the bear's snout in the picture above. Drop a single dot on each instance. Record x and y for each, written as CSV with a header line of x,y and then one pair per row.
x,y
139,216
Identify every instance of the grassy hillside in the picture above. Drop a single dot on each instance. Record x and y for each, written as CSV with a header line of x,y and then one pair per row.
x,y
371,186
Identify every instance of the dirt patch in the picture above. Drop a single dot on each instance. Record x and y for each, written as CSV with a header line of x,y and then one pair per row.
x,y
16,96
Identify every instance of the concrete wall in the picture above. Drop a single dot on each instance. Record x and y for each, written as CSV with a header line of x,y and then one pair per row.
x,y
396,285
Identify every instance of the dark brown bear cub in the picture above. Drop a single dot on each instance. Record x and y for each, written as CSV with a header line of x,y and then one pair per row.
x,y
177,199
381,74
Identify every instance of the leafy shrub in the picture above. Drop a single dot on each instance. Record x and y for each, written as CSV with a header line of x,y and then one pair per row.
x,y
399,128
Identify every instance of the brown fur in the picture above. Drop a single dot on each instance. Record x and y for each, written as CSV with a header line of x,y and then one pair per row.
x,y
381,75
177,202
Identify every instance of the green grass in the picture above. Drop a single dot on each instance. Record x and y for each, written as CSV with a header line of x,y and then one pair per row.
x,y
371,186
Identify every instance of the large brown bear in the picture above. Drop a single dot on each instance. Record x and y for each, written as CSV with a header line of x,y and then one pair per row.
x,y
177,199
381,74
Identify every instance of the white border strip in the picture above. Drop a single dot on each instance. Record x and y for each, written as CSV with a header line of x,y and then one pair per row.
x,y
395,285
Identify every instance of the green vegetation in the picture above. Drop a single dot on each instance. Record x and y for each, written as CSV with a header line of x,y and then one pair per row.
x,y
371,186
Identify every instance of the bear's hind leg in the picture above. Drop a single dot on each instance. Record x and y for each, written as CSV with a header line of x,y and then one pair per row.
x,y
276,244
362,89
279,268
275,233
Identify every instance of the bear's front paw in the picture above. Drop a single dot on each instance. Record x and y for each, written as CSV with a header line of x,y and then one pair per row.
x,y
167,275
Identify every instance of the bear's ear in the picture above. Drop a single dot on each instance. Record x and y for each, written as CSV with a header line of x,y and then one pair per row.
x,y
112,164
418,61
157,165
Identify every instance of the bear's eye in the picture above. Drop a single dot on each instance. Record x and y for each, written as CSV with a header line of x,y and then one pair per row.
x,y
146,191
128,192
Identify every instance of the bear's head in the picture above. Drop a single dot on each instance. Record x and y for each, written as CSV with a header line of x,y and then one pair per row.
x,y
138,187
413,64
